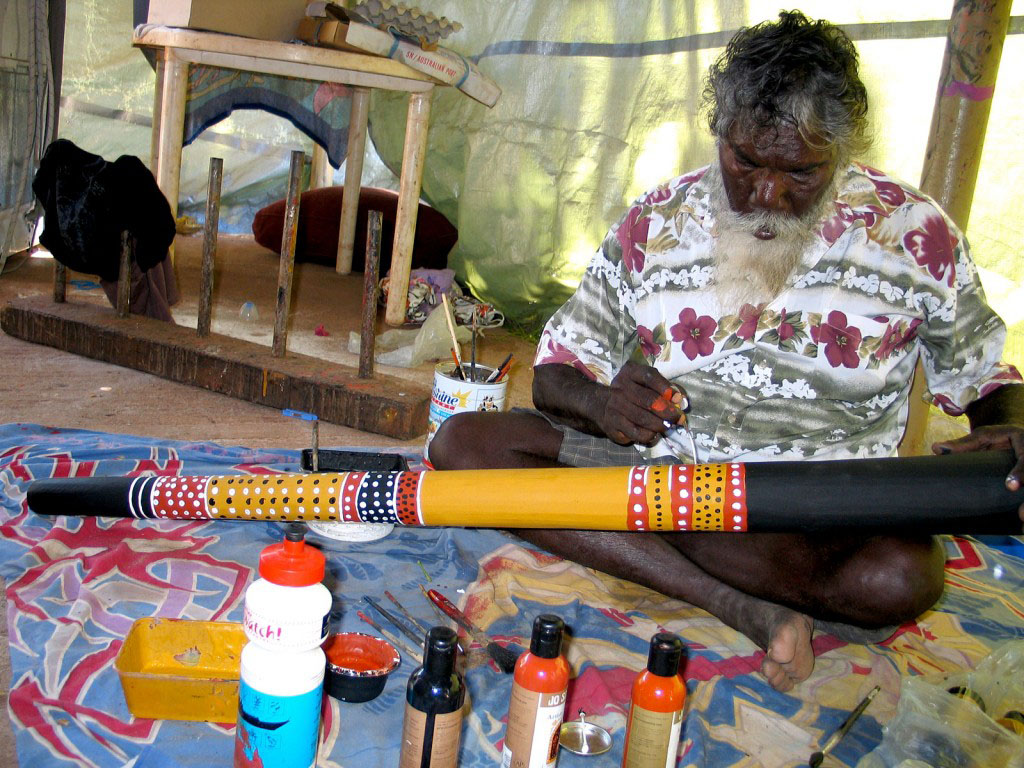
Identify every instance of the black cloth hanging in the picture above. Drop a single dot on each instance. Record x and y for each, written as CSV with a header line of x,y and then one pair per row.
x,y
87,203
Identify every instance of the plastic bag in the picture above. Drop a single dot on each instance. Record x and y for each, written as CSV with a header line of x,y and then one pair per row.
x,y
408,348
934,727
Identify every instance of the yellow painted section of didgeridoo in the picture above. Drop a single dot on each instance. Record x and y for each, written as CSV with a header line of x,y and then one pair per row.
x,y
527,498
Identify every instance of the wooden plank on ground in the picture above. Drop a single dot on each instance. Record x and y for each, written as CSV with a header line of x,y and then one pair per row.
x,y
384,405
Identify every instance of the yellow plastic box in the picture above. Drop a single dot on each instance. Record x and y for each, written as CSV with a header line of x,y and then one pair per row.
x,y
181,669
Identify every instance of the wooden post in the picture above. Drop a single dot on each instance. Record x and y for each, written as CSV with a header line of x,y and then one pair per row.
x,y
287,264
408,205
367,336
353,178
124,275
209,245
974,45
60,282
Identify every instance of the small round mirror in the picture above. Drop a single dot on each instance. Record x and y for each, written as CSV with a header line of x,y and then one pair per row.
x,y
584,738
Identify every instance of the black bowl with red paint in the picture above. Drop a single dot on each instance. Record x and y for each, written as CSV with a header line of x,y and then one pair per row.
x,y
358,665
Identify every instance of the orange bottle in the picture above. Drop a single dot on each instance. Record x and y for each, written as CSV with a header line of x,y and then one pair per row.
x,y
656,707
538,699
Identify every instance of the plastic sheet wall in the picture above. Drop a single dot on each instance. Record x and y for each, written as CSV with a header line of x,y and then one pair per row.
x,y
600,102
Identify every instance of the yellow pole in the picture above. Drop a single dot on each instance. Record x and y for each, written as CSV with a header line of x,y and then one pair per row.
x,y
974,46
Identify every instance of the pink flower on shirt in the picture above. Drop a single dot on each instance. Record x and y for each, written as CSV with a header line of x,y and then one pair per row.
x,y
659,195
647,343
932,248
749,315
895,338
632,232
786,329
840,339
834,227
695,332
556,353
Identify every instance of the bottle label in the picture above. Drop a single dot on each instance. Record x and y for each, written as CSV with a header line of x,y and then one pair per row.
x,y
443,737
269,631
653,738
281,731
531,738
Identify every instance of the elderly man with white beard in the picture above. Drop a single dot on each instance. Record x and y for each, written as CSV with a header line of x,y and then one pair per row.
x,y
782,296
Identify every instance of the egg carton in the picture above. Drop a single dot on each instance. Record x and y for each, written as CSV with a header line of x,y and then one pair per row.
x,y
407,20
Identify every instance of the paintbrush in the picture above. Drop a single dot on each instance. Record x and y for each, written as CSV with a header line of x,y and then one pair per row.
x,y
836,737
408,616
401,626
503,657
472,354
394,640
456,351
443,618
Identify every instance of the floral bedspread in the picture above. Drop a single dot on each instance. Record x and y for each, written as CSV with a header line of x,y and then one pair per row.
x,y
75,585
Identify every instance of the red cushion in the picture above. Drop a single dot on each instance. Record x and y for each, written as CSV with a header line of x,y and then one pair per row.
x,y
320,214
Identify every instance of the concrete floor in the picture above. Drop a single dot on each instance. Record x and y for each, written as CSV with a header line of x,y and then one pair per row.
x,y
45,386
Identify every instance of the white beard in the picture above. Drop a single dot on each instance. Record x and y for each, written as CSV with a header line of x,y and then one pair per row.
x,y
749,270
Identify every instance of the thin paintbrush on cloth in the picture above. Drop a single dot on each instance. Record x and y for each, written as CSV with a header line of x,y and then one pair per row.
x,y
411,632
392,638
408,616
836,737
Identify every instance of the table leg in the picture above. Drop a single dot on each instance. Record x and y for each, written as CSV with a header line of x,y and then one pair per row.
x,y
413,155
321,174
353,176
169,125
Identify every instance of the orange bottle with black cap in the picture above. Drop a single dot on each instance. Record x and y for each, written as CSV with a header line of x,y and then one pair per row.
x,y
535,710
656,707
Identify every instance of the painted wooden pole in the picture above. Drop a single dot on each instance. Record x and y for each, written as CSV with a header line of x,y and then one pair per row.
x,y
367,335
209,246
974,45
286,266
60,282
958,493
124,275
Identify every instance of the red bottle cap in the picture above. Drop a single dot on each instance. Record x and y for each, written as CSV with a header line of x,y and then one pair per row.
x,y
291,563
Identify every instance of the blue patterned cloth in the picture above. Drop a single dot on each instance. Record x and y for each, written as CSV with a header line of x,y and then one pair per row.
x,y
75,585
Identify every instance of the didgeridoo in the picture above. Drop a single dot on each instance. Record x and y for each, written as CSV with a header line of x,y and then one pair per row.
x,y
958,493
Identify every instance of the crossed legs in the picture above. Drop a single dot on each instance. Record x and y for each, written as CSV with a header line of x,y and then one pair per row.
x,y
770,587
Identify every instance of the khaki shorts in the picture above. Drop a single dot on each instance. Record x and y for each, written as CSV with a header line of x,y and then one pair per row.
x,y
582,450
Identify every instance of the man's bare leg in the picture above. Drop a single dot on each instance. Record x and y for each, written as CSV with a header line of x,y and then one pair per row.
x,y
767,586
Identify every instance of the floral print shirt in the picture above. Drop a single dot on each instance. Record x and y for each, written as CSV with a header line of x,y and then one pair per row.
x,y
824,370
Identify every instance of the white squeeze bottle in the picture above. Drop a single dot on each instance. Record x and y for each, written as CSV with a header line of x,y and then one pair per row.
x,y
282,667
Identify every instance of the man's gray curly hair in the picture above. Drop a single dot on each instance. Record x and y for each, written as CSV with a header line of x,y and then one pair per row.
x,y
793,71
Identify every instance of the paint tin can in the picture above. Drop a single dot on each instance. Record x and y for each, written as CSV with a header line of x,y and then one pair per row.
x,y
452,395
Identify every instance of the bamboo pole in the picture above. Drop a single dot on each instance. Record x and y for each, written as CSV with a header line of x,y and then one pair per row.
x,y
974,46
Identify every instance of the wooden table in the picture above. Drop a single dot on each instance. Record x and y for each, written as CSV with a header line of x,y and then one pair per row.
x,y
176,48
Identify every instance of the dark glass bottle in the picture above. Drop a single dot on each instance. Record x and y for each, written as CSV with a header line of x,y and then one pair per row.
x,y
434,699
